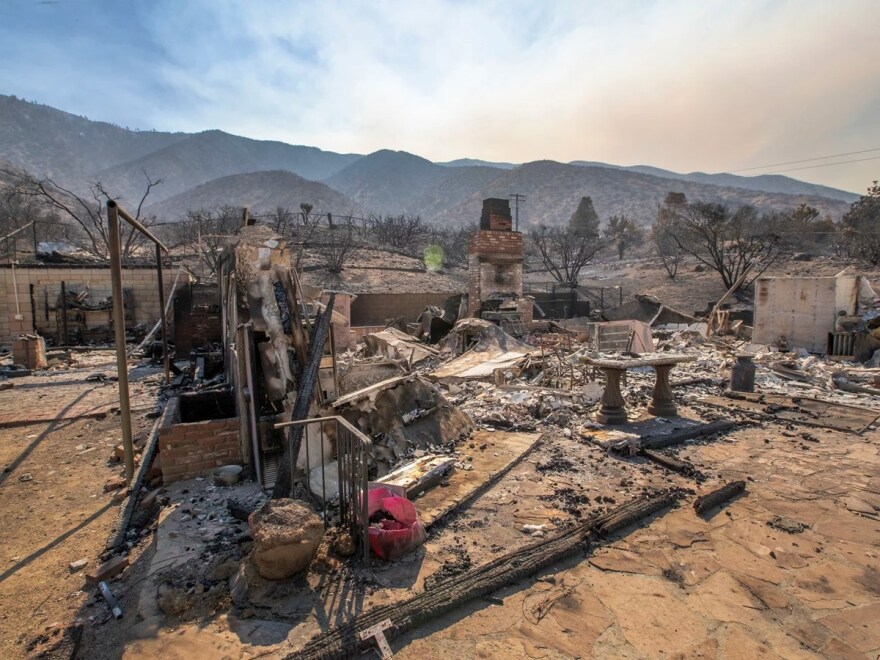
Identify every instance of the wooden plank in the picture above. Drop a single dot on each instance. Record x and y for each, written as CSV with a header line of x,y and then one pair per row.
x,y
500,452
360,394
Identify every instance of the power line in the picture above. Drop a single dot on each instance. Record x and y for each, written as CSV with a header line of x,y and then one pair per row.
x,y
811,167
805,160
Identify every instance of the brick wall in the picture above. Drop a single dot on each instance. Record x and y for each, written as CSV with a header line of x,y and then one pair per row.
x,y
47,288
197,316
487,242
375,309
197,448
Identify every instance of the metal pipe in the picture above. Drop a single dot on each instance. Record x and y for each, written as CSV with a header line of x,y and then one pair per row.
x,y
251,400
18,316
119,335
64,313
323,477
165,357
134,223
111,601
33,309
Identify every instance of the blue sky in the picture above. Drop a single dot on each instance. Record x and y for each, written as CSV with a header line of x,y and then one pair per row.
x,y
708,86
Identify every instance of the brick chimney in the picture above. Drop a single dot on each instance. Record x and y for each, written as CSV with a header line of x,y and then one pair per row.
x,y
495,256
496,215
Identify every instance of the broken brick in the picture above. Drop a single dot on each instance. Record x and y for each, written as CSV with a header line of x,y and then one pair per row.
x,y
109,569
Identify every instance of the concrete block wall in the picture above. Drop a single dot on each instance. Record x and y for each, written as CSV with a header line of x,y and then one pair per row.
x,y
375,309
196,449
801,309
47,284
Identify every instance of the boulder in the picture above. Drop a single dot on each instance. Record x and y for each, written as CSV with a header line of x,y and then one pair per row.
x,y
286,536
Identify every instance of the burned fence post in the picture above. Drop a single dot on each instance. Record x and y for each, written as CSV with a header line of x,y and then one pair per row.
x,y
119,334
164,320
114,212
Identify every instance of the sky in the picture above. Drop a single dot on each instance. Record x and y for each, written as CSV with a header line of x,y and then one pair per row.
x,y
689,86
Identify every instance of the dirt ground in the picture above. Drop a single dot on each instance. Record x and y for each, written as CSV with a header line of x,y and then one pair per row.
x,y
54,507
722,585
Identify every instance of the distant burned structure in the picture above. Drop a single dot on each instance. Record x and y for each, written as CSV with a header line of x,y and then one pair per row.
x,y
495,267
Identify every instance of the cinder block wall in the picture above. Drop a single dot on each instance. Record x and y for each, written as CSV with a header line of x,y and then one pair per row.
x,y
376,309
197,448
47,287
802,309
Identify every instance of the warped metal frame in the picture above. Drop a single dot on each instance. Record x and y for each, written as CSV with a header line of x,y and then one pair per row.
x,y
353,450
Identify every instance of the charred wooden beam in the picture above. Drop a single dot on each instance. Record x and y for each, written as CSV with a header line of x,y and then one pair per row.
x,y
283,484
678,437
718,497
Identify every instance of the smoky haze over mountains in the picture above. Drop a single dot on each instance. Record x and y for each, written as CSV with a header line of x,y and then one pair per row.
x,y
213,168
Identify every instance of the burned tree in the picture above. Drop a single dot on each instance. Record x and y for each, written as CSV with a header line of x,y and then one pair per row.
x,y
282,220
87,214
208,231
861,226
564,252
336,247
400,232
730,242
663,233
622,233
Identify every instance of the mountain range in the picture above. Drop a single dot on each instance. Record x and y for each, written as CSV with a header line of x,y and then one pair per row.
x,y
214,168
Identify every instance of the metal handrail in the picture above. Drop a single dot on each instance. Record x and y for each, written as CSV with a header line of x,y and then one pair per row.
x,y
352,460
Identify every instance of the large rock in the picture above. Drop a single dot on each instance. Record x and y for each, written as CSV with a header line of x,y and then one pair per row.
x,y
286,536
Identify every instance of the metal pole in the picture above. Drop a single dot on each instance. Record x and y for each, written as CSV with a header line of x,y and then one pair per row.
x,y
119,333
165,357
33,310
64,313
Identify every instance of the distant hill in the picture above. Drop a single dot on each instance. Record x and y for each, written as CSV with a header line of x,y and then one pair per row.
x,y
554,189
466,162
207,156
55,144
261,192
214,168
387,181
399,182
764,182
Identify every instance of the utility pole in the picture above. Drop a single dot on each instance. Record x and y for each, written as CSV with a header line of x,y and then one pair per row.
x,y
517,198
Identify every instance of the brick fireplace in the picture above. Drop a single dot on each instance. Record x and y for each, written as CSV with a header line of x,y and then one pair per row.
x,y
495,265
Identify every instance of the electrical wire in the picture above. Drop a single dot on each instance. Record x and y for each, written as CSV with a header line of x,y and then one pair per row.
x,y
805,160
810,167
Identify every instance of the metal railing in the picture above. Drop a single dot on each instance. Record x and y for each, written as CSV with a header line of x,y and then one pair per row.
x,y
353,450
566,293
